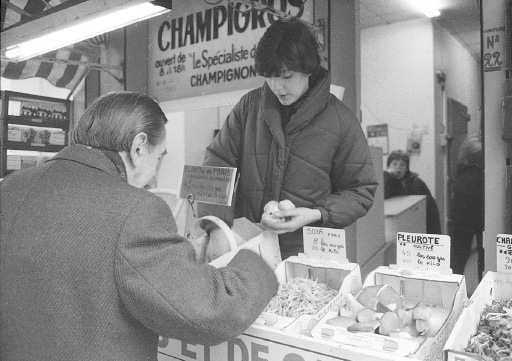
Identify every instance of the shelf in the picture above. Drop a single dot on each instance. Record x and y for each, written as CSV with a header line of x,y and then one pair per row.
x,y
36,148
38,122
27,124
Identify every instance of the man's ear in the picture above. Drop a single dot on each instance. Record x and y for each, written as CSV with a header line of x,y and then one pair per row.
x,y
139,147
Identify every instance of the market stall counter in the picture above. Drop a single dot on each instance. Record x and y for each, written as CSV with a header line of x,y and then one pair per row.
x,y
273,336
310,287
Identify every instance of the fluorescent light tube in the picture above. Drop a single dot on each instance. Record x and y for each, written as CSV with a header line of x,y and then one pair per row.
x,y
85,30
427,8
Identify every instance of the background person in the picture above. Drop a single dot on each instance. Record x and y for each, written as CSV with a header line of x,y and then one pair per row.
x,y
467,204
400,181
292,139
91,267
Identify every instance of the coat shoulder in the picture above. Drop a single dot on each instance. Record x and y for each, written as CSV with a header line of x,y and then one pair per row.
x,y
251,97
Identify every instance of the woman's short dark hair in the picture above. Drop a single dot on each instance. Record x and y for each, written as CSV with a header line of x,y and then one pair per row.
x,y
287,43
398,155
113,120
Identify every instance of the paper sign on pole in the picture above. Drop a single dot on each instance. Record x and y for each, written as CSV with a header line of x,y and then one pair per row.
x,y
504,253
325,243
423,252
378,136
208,184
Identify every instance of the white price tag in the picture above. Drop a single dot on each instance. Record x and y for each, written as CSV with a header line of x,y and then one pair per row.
x,y
504,253
423,252
325,243
14,108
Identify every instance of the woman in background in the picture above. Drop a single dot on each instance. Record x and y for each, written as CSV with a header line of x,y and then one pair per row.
x,y
400,181
467,204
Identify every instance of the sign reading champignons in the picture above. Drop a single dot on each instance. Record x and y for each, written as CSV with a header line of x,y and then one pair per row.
x,y
199,49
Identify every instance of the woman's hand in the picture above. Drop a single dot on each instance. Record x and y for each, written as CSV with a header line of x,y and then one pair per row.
x,y
293,219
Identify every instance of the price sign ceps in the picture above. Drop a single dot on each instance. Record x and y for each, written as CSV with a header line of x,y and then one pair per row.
x,y
423,252
504,253
208,184
325,243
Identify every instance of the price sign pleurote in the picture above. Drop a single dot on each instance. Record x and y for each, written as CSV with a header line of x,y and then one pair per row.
x,y
504,253
423,252
325,243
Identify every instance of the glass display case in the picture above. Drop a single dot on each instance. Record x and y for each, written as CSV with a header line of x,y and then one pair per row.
x,y
33,129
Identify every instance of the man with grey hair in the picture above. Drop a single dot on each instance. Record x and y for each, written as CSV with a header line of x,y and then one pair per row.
x,y
91,266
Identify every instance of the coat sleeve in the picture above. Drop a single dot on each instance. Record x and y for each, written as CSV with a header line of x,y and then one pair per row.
x,y
164,288
225,149
353,177
392,186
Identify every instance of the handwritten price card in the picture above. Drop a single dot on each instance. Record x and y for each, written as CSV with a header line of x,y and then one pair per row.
x,y
208,184
423,252
504,253
325,243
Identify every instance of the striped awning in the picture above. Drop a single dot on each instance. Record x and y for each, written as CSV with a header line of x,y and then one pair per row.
x,y
65,67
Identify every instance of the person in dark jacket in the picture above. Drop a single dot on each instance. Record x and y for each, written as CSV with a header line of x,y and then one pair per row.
x,y
293,140
91,266
400,181
467,204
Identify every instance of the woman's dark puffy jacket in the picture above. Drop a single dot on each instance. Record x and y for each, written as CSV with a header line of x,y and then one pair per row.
x,y
321,160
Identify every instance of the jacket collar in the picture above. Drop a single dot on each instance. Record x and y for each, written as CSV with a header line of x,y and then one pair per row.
x,y
105,160
410,175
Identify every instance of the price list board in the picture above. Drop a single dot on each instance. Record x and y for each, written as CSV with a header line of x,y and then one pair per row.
x,y
424,252
504,253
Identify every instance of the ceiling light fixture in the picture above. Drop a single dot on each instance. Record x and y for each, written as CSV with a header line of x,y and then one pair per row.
x,y
22,43
427,8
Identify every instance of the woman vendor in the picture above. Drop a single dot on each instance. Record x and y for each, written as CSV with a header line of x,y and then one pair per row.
x,y
291,139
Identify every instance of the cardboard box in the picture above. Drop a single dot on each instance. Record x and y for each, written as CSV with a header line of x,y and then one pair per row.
x,y
345,278
443,291
257,344
281,339
363,340
494,286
